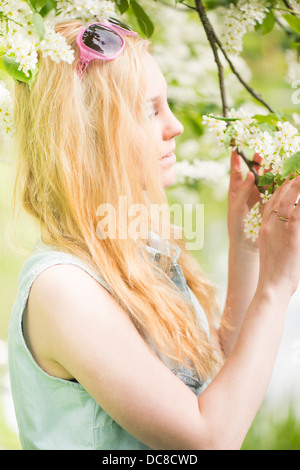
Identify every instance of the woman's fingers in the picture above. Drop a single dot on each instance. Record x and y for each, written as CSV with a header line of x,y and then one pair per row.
x,y
236,166
258,159
236,173
286,205
282,202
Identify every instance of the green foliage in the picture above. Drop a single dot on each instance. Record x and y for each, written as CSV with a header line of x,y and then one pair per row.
x,y
49,5
123,6
11,66
39,25
211,4
293,21
270,119
292,164
143,19
268,23
37,5
271,431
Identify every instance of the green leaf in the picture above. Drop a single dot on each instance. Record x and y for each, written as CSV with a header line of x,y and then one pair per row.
x,y
11,67
266,179
143,19
293,21
211,4
291,164
39,25
268,23
270,118
123,5
50,5
37,5
2,65
221,118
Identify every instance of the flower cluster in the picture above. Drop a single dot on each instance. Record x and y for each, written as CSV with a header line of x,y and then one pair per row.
x,y
213,173
54,46
217,127
20,38
274,140
7,126
240,19
87,10
24,34
253,222
275,143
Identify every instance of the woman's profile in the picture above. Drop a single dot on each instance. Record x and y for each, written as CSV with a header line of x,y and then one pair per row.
x,y
116,339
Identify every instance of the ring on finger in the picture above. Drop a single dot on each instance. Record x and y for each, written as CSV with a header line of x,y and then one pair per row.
x,y
284,219
273,211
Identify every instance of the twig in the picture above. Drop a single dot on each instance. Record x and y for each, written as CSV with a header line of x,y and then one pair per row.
x,y
215,44
287,31
168,5
289,7
212,40
251,165
215,40
252,92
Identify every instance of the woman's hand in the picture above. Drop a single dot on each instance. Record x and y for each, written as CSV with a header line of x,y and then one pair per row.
x,y
243,194
279,239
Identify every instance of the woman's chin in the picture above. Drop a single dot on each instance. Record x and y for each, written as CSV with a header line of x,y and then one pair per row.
x,y
168,176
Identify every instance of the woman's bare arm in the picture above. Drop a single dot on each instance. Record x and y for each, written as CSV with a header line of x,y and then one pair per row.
x,y
83,329
86,331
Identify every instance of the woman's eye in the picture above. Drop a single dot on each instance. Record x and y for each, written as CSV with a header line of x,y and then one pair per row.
x,y
152,112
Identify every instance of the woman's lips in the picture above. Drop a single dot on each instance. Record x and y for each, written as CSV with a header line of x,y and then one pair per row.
x,y
168,159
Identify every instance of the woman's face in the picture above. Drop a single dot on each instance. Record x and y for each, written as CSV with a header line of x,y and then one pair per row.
x,y
166,126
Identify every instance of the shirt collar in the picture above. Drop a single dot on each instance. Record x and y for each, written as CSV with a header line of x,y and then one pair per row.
x,y
155,248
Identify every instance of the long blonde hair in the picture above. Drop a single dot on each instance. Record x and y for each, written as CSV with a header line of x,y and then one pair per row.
x,y
85,143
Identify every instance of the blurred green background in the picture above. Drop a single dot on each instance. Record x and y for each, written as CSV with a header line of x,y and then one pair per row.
x,y
277,425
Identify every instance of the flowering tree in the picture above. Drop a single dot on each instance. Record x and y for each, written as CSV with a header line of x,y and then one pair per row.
x,y
205,36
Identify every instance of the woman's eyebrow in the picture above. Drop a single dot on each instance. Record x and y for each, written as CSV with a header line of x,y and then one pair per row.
x,y
155,99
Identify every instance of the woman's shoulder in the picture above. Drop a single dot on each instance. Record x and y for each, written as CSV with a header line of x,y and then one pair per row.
x,y
47,263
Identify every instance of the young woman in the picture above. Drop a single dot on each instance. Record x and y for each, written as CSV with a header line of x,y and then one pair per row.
x,y
115,341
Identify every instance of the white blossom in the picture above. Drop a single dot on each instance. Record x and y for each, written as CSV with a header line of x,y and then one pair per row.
x,y
265,197
213,173
217,127
55,46
239,19
7,126
24,52
253,222
86,10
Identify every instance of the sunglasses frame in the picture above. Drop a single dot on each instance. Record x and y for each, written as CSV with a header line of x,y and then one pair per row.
x,y
87,54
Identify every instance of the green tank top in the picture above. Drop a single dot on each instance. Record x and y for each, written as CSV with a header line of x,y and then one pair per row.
x,y
58,414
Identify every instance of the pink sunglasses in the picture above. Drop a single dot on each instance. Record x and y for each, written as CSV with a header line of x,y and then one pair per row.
x,y
102,41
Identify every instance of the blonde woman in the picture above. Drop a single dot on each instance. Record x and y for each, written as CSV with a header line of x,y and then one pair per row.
x,y
115,341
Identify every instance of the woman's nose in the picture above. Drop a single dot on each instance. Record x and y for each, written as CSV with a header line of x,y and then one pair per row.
x,y
173,128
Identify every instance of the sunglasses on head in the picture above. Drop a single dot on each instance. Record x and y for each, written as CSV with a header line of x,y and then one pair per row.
x,y
103,41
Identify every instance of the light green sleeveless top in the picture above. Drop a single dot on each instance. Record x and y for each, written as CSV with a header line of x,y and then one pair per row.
x,y
57,414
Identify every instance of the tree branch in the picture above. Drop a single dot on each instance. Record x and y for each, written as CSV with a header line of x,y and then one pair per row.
x,y
212,40
252,92
215,44
289,7
215,40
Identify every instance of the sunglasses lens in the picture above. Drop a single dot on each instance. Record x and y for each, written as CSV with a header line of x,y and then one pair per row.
x,y
102,40
119,24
